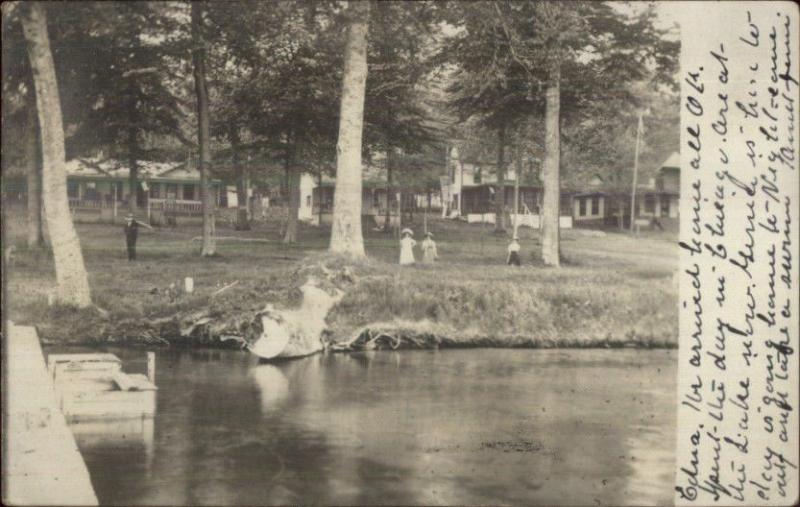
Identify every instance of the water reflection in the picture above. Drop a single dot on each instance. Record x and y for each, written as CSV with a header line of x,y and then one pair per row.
x,y
273,386
423,427
131,435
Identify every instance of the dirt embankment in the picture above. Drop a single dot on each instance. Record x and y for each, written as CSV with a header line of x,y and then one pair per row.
x,y
387,308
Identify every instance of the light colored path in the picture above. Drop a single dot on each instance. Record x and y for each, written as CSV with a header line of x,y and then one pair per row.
x,y
43,465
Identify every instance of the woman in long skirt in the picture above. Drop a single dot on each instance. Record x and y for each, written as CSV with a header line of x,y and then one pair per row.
x,y
429,253
407,244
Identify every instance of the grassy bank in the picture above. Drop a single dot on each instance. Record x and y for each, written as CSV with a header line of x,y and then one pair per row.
x,y
613,290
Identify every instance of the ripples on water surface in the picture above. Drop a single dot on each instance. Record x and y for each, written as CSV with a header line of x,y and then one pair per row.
x,y
414,427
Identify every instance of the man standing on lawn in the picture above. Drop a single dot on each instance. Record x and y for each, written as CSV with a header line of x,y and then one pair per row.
x,y
131,234
513,252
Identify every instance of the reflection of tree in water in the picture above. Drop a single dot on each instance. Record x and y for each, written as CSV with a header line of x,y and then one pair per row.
x,y
409,427
114,449
385,427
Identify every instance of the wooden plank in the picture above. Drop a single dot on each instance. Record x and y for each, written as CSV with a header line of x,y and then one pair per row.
x,y
110,405
43,465
83,358
141,382
82,365
123,381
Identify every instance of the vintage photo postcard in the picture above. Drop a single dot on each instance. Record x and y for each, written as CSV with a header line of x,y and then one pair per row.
x,y
493,252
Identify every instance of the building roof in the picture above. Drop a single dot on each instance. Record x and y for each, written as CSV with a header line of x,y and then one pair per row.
x,y
371,176
488,173
508,184
673,161
115,169
374,175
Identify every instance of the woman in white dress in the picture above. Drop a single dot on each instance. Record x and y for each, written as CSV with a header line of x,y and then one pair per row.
x,y
407,245
429,253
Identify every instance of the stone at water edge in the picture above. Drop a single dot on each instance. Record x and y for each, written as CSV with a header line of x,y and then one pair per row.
x,y
274,337
296,333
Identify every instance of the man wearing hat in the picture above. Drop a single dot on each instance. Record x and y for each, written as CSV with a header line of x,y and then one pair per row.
x,y
407,244
131,234
429,253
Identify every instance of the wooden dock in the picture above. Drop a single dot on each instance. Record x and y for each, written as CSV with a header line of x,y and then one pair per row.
x,y
43,465
92,386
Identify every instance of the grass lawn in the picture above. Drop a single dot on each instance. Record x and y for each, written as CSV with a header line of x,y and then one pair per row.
x,y
613,290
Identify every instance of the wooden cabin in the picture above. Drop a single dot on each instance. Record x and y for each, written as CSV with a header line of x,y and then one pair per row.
x,y
164,188
658,201
472,188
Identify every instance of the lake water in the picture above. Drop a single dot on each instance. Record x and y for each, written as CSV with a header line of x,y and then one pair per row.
x,y
414,427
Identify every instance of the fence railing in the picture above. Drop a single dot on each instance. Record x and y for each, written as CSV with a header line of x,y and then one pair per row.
x,y
180,207
90,203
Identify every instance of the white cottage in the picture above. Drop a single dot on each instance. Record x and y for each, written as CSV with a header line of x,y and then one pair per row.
x,y
172,187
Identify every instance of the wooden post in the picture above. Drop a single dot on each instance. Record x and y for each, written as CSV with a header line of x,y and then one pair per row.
x,y
635,171
151,367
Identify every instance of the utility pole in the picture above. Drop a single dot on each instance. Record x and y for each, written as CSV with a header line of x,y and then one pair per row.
x,y
639,129
517,175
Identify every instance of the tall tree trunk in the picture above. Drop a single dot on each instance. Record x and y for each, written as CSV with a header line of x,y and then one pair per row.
x,y
400,217
132,144
500,194
346,234
388,218
73,282
248,207
133,170
290,235
34,173
242,216
551,249
206,192
294,206
319,198
285,184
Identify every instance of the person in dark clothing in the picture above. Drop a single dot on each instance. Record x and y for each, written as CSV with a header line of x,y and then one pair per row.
x,y
513,252
131,234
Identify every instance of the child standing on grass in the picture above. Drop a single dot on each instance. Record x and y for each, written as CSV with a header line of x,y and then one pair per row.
x,y
429,253
407,245
513,252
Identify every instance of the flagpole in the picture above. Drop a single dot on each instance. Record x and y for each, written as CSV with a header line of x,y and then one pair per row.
x,y
635,171
516,190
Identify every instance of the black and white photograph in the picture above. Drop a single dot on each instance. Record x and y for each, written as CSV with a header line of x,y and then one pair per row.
x,y
494,252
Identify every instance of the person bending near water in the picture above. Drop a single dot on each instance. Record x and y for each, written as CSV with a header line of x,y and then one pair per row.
x,y
513,253
407,245
131,234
